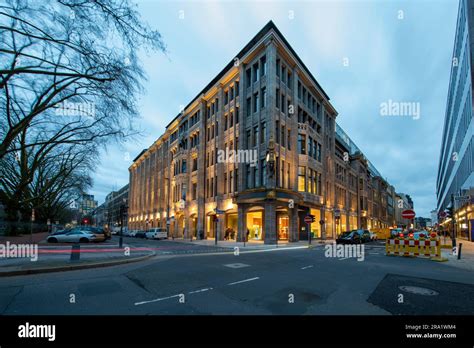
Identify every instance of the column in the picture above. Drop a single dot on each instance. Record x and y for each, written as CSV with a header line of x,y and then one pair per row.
x,y
293,221
270,222
241,223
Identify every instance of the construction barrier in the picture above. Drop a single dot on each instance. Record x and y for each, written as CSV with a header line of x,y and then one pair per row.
x,y
412,247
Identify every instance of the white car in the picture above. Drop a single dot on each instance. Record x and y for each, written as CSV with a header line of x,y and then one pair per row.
x,y
74,236
157,233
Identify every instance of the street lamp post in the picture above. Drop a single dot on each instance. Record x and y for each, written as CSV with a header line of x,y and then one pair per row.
x,y
123,209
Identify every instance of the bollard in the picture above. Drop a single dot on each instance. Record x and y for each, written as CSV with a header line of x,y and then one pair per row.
x,y
75,252
459,251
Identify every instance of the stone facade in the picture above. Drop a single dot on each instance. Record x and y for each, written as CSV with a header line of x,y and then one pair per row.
x,y
267,110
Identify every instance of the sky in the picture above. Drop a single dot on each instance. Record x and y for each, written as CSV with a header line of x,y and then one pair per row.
x,y
365,55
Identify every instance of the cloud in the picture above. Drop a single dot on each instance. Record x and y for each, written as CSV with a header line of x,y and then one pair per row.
x,y
389,58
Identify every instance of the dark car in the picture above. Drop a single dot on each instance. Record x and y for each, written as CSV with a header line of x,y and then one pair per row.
x,y
354,237
140,234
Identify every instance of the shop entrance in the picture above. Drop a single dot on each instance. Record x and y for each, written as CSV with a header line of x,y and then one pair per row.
x,y
230,226
283,226
255,225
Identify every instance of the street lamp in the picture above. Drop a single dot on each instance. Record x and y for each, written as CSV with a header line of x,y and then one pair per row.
x,y
270,158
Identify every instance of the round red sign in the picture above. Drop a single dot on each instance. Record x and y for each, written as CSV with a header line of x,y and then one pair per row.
x,y
408,214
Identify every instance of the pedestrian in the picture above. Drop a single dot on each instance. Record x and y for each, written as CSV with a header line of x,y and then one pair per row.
x,y
248,233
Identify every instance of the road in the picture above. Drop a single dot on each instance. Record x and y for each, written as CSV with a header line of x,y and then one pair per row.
x,y
299,281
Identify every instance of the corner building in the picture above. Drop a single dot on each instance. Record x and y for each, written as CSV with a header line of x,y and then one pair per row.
x,y
267,105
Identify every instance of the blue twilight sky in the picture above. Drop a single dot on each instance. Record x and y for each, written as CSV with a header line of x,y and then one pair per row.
x,y
395,50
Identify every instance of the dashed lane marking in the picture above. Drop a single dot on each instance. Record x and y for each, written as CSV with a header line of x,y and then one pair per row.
x,y
244,281
306,267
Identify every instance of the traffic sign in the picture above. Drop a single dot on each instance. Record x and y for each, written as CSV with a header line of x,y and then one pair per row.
x,y
309,219
408,214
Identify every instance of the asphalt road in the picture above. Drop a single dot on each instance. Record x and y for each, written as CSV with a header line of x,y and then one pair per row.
x,y
299,281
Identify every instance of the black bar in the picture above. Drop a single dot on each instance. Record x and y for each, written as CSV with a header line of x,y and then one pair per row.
x,y
137,330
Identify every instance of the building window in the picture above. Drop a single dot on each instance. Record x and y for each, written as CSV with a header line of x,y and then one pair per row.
x,y
263,178
249,139
255,102
263,65
236,180
248,77
288,142
249,106
302,144
283,103
277,132
248,177
231,119
225,183
236,88
226,119
255,136
256,177
226,97
318,152
194,191
278,67
288,184
302,179
195,164
231,181
263,132
264,97
183,166
282,136
277,98
256,74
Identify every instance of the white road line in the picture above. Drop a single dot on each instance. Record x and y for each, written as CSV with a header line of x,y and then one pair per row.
x,y
201,290
243,281
374,253
344,258
156,300
305,267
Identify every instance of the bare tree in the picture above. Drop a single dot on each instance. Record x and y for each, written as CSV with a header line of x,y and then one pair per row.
x,y
70,64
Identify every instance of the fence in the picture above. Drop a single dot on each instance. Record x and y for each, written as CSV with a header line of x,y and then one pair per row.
x,y
410,247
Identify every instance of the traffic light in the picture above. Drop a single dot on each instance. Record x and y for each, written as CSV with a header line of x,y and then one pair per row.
x,y
449,212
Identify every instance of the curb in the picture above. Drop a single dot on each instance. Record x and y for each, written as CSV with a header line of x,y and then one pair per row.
x,y
74,267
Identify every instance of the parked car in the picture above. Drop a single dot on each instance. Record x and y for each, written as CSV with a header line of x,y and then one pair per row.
x,y
101,233
354,237
157,233
64,231
73,236
140,234
132,233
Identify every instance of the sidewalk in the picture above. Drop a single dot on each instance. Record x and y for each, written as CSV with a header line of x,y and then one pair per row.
x,y
25,238
250,245
467,255
58,258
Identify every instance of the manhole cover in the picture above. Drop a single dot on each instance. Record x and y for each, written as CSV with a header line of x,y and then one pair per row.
x,y
418,291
